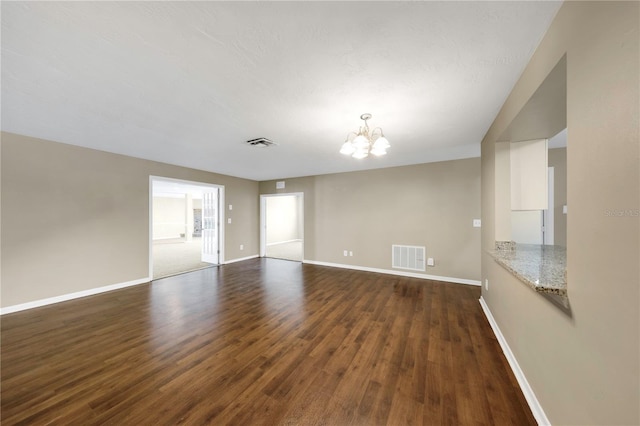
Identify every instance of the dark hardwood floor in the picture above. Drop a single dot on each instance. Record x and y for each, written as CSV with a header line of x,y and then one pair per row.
x,y
261,342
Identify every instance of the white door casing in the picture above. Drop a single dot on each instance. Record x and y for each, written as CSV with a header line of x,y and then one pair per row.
x,y
218,190
210,225
263,218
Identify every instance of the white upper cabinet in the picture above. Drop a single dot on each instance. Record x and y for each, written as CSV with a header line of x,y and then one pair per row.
x,y
529,174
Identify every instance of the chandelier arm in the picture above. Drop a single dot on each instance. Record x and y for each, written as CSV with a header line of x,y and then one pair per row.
x,y
351,136
373,133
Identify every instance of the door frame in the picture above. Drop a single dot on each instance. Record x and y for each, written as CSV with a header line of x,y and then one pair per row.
x,y
221,219
263,218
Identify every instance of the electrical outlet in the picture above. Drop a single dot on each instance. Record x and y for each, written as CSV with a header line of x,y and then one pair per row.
x,y
241,246
229,220
477,223
486,284
350,253
230,207
344,253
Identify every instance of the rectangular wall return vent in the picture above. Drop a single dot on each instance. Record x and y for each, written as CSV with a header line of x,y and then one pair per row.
x,y
408,257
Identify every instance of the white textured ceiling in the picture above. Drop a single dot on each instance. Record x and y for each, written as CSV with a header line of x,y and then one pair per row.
x,y
187,82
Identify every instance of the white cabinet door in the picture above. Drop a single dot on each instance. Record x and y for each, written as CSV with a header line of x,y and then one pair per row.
x,y
529,175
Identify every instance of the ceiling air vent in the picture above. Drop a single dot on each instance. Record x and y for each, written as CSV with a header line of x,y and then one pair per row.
x,y
260,142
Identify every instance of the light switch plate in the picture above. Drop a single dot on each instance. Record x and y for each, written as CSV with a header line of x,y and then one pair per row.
x,y
229,220
477,223
280,185
230,207
430,262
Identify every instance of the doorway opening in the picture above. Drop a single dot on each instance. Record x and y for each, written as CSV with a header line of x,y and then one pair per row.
x,y
282,226
185,233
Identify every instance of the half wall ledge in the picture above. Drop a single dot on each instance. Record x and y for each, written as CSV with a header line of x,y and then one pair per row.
x,y
541,267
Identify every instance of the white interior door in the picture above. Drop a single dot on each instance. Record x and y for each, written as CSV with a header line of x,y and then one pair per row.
x,y
210,225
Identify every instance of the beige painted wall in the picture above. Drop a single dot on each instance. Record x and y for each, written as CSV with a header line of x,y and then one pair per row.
x,y
501,166
558,160
282,219
585,367
169,217
430,205
74,219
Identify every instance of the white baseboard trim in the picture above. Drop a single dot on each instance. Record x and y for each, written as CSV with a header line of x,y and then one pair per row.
x,y
284,242
71,296
533,402
226,262
392,272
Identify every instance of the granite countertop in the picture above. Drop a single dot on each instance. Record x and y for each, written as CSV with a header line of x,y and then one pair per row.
x,y
541,267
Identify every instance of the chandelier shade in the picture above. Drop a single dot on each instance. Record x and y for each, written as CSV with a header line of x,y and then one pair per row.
x,y
364,142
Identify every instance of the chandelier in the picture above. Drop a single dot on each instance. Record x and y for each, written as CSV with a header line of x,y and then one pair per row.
x,y
365,142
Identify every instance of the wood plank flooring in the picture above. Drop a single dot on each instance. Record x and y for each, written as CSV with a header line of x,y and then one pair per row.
x,y
262,342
